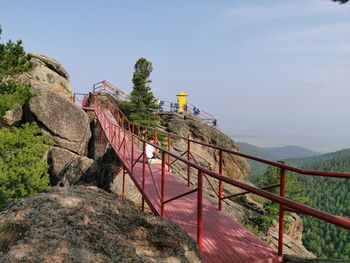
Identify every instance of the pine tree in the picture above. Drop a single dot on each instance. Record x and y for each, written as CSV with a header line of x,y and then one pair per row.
x,y
23,166
143,104
23,170
294,191
13,59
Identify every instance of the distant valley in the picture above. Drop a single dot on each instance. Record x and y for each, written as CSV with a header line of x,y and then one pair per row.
x,y
327,194
272,154
276,153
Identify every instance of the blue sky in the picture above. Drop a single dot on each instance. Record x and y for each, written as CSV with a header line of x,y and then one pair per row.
x,y
273,72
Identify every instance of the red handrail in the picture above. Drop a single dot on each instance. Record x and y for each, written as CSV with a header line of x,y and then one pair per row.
x,y
285,203
251,157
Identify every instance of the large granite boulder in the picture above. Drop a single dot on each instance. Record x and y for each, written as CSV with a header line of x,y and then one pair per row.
x,y
68,168
86,224
47,72
292,238
188,126
67,124
11,117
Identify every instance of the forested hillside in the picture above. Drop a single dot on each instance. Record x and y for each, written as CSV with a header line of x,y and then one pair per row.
x,y
272,154
330,195
291,151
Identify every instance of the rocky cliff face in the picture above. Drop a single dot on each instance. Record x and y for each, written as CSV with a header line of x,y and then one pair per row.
x,y
188,126
47,72
86,224
79,157
65,123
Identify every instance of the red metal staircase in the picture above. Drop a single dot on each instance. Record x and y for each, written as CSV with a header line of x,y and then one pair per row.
x,y
220,239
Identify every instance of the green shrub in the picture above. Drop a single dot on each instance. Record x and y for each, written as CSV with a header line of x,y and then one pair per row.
x,y
23,168
13,94
13,59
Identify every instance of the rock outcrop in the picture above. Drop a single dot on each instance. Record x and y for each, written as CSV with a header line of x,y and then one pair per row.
x,y
68,168
67,124
188,126
47,72
11,117
292,239
86,224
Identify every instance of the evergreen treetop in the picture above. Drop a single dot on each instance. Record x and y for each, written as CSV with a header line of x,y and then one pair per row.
x,y
143,104
13,59
142,97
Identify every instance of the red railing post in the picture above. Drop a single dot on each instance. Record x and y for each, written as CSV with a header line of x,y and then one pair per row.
x,y
115,136
281,212
74,98
169,147
124,146
162,193
109,131
188,165
100,135
143,174
200,210
123,185
139,135
119,138
220,181
132,153
112,134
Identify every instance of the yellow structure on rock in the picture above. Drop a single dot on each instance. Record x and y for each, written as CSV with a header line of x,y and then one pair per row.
x,y
182,101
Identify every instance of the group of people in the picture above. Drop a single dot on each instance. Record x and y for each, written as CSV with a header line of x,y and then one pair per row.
x,y
176,107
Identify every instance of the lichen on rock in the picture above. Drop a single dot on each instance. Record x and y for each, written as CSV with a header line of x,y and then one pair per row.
x,y
86,224
188,126
47,71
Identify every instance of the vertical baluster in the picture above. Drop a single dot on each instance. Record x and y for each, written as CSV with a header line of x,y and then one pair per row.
x,y
220,181
143,173
169,148
281,212
162,193
188,165
132,153
200,210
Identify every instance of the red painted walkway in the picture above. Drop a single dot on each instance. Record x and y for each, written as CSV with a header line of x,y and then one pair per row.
x,y
224,240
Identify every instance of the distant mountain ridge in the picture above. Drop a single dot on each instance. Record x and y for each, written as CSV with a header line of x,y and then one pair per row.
x,y
345,153
276,153
256,151
291,151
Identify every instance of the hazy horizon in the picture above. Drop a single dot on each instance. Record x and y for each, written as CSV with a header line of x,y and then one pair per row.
x,y
267,141
277,72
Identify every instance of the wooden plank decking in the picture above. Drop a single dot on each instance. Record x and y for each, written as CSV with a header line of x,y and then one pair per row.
x,y
224,240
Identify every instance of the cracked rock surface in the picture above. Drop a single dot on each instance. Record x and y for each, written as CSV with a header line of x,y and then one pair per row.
x,y
86,224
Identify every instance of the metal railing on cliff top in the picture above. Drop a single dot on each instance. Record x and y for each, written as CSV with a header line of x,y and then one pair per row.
x,y
133,132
